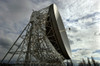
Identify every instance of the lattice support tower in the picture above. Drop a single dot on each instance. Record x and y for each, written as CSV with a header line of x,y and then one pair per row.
x,y
37,43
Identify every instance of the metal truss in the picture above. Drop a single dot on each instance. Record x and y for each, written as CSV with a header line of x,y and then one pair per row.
x,y
34,44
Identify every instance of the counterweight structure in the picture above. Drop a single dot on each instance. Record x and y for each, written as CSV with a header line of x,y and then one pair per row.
x,y
43,40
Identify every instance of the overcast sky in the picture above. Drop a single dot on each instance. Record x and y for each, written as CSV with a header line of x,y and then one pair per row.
x,y
82,16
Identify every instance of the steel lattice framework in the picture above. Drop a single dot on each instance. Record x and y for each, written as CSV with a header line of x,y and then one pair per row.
x,y
37,42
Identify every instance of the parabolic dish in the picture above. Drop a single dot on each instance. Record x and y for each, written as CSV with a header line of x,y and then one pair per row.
x,y
62,43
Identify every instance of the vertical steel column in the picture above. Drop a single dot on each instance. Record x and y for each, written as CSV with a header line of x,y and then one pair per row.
x,y
28,52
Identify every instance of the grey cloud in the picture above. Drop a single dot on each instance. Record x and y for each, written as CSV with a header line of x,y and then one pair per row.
x,y
71,41
89,23
5,43
97,33
14,15
83,52
84,17
75,50
96,51
70,36
14,10
78,39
